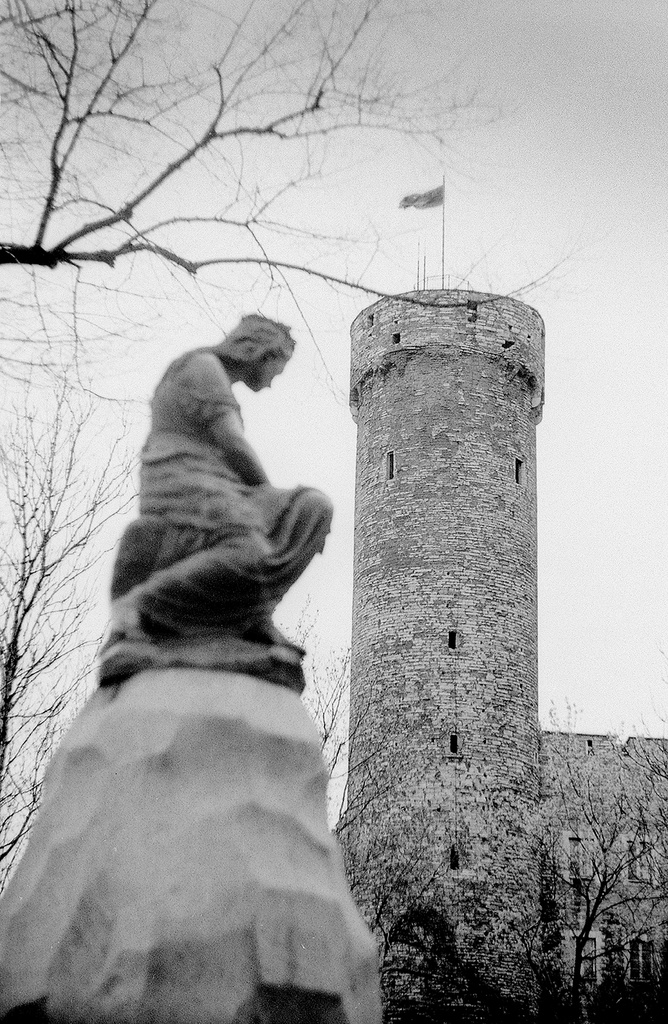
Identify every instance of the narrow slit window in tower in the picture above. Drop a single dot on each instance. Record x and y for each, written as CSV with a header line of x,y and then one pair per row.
x,y
396,338
369,319
520,472
452,639
454,857
390,466
454,742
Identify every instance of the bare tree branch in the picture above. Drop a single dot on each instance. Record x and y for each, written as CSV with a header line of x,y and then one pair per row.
x,y
112,115
52,514
603,867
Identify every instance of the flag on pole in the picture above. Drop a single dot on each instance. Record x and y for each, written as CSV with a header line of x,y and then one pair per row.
x,y
423,200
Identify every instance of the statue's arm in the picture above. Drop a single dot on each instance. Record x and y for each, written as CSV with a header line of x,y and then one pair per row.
x,y
210,403
239,455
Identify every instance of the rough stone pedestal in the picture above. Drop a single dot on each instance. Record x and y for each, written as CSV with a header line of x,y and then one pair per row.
x,y
181,870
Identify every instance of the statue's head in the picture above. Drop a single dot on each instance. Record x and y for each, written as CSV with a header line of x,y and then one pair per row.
x,y
253,337
257,350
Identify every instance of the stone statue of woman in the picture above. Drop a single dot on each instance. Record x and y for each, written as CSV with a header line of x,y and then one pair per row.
x,y
181,867
215,547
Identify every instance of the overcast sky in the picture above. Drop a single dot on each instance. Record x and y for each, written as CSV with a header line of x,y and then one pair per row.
x,y
563,162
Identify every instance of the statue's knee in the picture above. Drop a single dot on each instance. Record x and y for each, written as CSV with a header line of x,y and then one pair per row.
x,y
322,503
326,509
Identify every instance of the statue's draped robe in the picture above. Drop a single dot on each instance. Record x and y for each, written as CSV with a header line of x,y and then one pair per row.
x,y
209,551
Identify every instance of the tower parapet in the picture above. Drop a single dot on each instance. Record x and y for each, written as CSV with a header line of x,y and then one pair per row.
x,y
494,325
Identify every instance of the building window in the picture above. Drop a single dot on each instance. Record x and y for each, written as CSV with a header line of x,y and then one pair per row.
x,y
452,639
642,957
396,338
579,859
580,871
588,967
520,472
639,862
472,310
454,742
590,746
576,897
369,319
454,858
390,466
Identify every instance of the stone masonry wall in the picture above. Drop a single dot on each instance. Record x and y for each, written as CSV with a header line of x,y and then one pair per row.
x,y
602,820
447,388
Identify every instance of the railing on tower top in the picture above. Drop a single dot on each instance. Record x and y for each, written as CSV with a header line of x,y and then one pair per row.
x,y
434,282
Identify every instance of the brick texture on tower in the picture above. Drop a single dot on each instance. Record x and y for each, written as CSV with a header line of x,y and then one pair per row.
x,y
447,390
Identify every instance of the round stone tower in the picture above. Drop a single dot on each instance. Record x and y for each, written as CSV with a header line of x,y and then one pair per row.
x,y
447,389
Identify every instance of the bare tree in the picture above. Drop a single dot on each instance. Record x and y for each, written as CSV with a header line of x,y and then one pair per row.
x,y
602,862
394,875
139,132
52,511
326,698
649,756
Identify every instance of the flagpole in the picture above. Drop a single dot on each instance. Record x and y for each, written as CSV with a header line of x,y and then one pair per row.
x,y
443,238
